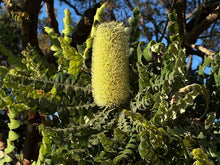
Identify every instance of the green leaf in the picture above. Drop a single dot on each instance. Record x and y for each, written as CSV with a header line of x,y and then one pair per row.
x,y
217,78
173,49
13,135
3,71
201,69
7,159
60,77
173,28
13,112
97,18
67,25
172,16
14,124
8,100
147,51
40,127
119,134
132,22
55,48
129,31
48,161
12,59
210,120
9,148
2,93
208,61
43,150
175,37
139,52
75,66
201,157
136,12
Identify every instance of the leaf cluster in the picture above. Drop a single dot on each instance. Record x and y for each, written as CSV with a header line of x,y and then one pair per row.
x,y
167,121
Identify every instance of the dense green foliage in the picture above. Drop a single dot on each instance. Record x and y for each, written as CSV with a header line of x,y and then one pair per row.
x,y
167,121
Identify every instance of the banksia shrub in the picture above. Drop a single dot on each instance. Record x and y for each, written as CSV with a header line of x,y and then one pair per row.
x,y
110,79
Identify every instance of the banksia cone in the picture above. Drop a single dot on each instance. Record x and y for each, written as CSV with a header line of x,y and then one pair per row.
x,y
110,79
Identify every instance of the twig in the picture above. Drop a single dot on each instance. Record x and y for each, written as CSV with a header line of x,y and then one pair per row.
x,y
180,7
203,49
74,7
51,15
129,4
189,64
192,13
211,35
203,25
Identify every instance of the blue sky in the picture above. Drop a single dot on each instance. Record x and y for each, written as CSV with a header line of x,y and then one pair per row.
x,y
60,15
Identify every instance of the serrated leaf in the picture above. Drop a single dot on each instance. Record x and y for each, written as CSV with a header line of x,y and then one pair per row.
x,y
13,135
129,31
48,161
8,100
175,37
132,22
55,48
139,52
217,78
147,51
3,71
201,69
2,93
173,49
14,124
9,148
43,150
7,159
75,66
210,120
173,28
13,112
60,77
136,12
172,16
119,134
208,61
40,127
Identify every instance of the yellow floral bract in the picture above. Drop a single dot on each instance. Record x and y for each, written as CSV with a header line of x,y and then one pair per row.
x,y
110,79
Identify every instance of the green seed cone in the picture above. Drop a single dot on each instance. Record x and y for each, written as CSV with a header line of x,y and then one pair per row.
x,y
110,68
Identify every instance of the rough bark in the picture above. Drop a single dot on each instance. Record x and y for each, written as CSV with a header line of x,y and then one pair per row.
x,y
32,139
180,6
51,15
202,25
29,26
190,32
83,28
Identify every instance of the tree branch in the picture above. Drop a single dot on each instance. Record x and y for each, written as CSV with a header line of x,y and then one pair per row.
x,y
29,26
211,35
203,49
129,4
83,28
192,36
188,67
166,4
51,15
74,7
180,7
192,13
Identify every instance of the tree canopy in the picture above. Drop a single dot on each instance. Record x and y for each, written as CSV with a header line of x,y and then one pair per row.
x,y
169,114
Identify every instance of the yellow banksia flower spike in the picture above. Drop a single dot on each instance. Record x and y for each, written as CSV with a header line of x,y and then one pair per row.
x,y
110,67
